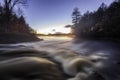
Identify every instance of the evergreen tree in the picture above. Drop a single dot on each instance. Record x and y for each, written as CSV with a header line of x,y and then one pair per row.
x,y
102,23
76,16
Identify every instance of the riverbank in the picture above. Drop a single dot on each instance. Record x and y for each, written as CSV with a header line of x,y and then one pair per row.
x,y
12,38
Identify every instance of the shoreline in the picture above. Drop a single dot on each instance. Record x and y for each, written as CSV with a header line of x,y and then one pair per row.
x,y
13,38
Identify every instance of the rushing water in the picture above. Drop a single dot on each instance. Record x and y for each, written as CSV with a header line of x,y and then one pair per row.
x,y
104,54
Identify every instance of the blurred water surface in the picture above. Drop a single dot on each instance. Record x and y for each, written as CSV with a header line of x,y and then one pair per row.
x,y
105,53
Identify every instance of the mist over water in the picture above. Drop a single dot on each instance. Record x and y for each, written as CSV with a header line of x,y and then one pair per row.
x,y
105,55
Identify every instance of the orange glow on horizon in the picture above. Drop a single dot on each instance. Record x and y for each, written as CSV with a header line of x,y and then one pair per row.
x,y
53,30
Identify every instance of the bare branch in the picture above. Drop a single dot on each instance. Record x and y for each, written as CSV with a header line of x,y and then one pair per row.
x,y
16,2
9,1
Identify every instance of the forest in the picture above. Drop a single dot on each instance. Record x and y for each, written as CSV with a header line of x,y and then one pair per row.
x,y
104,23
12,19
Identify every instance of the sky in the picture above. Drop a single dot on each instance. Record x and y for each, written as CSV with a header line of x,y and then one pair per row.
x,y
46,15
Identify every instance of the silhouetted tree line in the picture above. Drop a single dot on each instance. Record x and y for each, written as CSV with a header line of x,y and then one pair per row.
x,y
10,21
104,23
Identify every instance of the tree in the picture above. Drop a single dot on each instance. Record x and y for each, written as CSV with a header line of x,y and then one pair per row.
x,y
76,16
68,26
71,27
9,6
103,7
104,23
11,20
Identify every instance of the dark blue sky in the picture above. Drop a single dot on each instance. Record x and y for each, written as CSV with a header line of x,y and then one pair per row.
x,y
45,15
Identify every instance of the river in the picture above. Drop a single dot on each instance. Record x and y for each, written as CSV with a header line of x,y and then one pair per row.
x,y
106,53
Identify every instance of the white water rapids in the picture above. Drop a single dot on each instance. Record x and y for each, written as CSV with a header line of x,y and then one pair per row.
x,y
106,53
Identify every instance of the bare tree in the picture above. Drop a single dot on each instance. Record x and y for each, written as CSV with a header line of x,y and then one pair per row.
x,y
9,6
